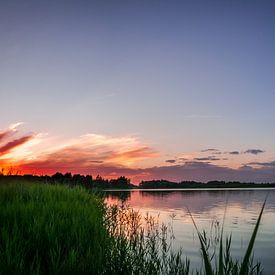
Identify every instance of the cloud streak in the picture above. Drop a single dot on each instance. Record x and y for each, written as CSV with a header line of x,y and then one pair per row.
x,y
263,164
210,150
171,161
14,144
249,151
209,158
254,151
9,132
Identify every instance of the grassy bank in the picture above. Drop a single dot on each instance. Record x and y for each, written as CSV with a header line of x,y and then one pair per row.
x,y
52,229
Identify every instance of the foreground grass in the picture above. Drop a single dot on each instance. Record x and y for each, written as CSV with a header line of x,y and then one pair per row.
x,y
50,230
59,230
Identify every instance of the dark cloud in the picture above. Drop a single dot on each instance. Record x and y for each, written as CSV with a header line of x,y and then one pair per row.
x,y
171,161
13,144
234,153
254,151
209,158
266,164
210,150
202,159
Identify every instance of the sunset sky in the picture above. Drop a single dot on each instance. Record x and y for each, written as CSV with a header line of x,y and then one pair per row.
x,y
181,90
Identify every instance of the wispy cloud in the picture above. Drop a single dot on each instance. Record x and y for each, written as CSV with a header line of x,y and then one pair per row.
x,y
263,164
13,144
209,158
9,132
9,142
14,126
210,150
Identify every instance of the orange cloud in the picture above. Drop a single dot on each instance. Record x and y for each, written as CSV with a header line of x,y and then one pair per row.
x,y
87,154
82,159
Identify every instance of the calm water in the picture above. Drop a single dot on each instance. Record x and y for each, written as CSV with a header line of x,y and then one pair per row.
x,y
208,207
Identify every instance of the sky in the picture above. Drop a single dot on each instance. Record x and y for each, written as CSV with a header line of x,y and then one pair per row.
x,y
181,90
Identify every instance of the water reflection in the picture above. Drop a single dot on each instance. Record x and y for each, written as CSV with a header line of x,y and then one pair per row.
x,y
118,196
199,201
208,207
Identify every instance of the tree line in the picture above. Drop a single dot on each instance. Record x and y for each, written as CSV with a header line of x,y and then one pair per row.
x,y
86,181
122,182
159,184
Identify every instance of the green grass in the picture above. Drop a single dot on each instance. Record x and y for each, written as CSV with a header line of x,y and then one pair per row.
x,y
52,229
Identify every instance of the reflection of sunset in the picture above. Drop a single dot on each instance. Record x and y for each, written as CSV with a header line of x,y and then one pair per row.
x,y
208,209
201,203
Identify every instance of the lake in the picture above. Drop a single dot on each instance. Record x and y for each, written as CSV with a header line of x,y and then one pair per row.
x,y
208,207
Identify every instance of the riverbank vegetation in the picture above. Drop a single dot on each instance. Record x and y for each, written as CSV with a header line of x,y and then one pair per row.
x,y
89,182
54,229
165,184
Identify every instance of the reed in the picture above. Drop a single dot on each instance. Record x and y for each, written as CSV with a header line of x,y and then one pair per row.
x,y
226,264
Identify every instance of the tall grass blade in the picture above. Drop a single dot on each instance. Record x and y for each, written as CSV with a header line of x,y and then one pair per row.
x,y
221,265
245,262
221,255
207,264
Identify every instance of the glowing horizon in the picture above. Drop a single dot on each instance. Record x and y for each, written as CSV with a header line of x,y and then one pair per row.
x,y
39,154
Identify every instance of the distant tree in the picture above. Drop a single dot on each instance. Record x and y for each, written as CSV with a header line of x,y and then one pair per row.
x,y
121,182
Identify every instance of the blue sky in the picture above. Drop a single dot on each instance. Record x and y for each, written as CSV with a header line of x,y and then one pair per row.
x,y
179,76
